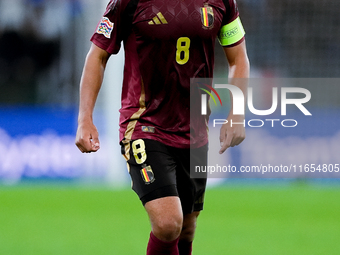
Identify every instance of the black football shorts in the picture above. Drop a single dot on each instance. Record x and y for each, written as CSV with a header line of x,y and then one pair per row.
x,y
158,170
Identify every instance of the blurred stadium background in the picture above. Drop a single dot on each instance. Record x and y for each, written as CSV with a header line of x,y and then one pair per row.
x,y
55,200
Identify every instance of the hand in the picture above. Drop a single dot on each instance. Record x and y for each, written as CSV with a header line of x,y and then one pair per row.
x,y
87,138
232,136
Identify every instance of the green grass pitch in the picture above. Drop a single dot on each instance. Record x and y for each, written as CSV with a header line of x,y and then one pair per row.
x,y
73,220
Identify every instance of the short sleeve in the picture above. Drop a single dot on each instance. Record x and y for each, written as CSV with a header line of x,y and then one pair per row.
x,y
232,31
108,34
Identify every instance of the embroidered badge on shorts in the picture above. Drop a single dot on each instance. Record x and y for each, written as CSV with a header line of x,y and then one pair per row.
x,y
147,174
105,27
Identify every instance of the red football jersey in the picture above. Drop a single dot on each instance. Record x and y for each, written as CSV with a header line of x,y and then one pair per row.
x,y
166,43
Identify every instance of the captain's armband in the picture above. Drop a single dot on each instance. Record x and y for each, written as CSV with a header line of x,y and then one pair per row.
x,y
231,33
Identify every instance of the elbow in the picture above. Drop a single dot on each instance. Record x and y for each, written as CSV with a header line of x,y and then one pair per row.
x,y
247,65
240,68
98,55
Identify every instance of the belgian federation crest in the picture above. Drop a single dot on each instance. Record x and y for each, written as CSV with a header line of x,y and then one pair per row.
x,y
207,16
147,174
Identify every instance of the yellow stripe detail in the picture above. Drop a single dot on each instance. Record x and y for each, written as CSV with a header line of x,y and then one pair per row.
x,y
146,177
151,22
205,14
161,17
156,20
231,33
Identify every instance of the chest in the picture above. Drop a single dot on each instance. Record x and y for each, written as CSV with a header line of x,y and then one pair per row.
x,y
171,19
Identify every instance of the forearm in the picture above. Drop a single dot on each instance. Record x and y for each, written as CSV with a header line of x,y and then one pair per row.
x,y
239,74
232,135
90,85
87,138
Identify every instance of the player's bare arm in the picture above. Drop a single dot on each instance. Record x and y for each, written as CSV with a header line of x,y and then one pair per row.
x,y
87,135
238,69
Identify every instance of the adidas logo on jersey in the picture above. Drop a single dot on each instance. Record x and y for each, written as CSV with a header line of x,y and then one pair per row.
x,y
158,20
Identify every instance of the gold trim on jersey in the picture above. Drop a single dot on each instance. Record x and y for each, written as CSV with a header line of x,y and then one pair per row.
x,y
126,154
128,168
133,121
158,20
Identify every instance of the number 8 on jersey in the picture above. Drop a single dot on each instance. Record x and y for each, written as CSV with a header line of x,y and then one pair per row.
x,y
182,53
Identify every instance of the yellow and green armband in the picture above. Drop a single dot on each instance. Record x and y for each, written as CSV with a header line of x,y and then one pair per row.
x,y
231,33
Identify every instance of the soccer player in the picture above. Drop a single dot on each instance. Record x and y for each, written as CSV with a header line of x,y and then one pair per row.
x,y
166,43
